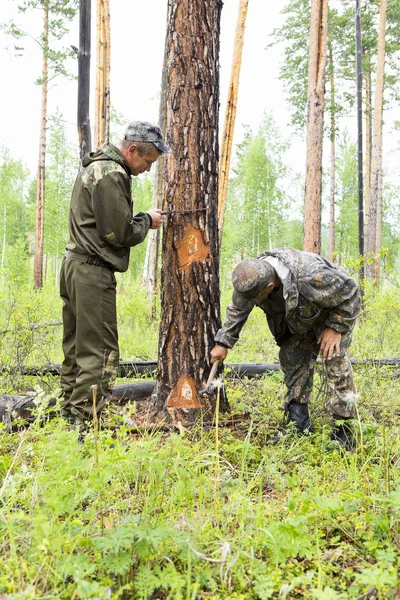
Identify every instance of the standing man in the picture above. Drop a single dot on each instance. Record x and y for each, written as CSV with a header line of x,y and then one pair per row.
x,y
311,307
102,229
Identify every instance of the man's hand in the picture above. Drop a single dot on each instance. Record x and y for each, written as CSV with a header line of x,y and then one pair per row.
x,y
329,341
218,353
157,217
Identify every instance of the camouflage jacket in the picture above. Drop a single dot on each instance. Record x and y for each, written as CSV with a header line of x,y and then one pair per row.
x,y
101,221
314,294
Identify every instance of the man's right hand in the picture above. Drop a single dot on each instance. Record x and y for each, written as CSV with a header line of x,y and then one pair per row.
x,y
218,353
157,217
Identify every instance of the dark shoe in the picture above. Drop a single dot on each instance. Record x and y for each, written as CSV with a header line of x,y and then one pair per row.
x,y
342,433
299,417
298,421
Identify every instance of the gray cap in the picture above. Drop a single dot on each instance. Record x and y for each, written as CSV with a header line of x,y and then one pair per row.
x,y
251,276
141,131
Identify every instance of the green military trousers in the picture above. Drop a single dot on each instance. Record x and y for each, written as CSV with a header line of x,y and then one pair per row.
x,y
297,357
90,337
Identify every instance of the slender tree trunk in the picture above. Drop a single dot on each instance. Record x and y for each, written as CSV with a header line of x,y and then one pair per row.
x,y
375,205
3,254
359,140
315,125
150,274
333,161
40,192
368,145
85,140
102,108
190,281
230,114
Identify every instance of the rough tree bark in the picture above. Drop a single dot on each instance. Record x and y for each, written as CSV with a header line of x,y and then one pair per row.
x,y
40,190
315,124
230,114
102,106
190,281
374,231
359,140
85,140
333,160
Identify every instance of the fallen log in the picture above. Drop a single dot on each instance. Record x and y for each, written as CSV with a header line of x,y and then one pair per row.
x,y
130,369
21,406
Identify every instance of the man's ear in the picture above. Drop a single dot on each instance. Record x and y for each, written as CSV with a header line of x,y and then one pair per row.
x,y
132,149
271,285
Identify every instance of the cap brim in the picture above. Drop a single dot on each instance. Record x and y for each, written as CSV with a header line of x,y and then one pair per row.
x,y
242,301
162,147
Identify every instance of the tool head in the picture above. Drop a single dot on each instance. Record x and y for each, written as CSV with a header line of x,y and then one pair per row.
x,y
209,390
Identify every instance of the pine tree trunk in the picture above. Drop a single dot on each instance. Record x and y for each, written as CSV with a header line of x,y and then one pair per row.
x,y
373,241
40,190
190,281
230,114
333,161
359,141
102,107
315,124
150,274
85,140
3,254
107,65
368,145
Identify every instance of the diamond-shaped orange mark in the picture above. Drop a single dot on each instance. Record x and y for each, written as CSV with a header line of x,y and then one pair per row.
x,y
184,395
192,248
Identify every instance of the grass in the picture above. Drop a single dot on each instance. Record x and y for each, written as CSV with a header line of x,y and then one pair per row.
x,y
212,513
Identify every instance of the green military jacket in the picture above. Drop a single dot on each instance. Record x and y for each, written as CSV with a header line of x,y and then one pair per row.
x,y
315,294
101,220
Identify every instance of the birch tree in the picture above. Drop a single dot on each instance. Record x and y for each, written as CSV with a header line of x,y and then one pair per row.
x,y
190,260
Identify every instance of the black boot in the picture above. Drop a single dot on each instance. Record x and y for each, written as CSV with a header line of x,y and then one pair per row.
x,y
342,433
298,421
298,415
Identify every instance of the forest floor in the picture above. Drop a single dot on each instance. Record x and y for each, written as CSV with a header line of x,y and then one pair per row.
x,y
215,512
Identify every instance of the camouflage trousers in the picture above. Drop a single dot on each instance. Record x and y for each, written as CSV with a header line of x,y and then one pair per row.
x,y
90,337
297,357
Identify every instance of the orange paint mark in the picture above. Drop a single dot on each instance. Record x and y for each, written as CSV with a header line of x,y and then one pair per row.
x,y
192,248
184,395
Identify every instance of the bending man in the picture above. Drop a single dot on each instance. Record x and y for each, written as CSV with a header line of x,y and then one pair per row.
x,y
102,230
311,307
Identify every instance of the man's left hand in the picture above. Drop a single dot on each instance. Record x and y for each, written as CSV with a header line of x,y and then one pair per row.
x,y
329,341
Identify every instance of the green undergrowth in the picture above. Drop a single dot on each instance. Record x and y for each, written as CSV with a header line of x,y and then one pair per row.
x,y
216,512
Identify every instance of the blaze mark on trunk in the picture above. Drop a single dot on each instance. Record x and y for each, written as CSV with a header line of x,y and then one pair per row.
x,y
192,248
184,395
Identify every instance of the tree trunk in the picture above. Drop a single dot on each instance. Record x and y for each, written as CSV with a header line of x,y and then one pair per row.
x,y
230,114
368,145
315,124
102,108
3,254
333,161
359,140
85,140
375,205
150,275
40,190
190,280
